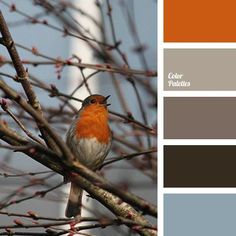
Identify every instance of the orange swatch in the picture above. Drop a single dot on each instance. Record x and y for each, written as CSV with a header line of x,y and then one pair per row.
x,y
199,21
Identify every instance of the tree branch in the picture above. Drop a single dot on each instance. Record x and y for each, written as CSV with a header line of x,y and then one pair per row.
x,y
22,77
112,202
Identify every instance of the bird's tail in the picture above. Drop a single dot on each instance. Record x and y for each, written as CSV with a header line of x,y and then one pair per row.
x,y
74,203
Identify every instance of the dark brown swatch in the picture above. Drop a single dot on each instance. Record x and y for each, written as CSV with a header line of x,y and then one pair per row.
x,y
199,166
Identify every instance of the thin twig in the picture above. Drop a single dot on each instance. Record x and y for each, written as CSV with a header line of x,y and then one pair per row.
x,y
37,194
22,77
27,132
126,157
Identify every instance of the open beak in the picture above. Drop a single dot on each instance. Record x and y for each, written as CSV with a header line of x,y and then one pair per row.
x,y
105,100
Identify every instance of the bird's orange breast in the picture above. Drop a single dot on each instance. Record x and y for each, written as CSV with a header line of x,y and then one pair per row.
x,y
93,122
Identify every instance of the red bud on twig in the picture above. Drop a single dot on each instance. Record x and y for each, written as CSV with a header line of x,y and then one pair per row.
x,y
34,50
18,222
33,215
13,7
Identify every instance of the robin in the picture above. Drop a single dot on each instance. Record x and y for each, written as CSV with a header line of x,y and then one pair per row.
x,y
89,138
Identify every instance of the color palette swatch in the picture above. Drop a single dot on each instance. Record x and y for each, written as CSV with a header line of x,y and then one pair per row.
x,y
200,117
197,118
199,69
199,166
199,214
199,21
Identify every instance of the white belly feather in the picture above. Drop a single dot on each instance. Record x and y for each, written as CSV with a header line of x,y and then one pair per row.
x,y
89,151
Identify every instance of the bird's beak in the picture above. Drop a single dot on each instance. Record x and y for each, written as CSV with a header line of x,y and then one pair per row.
x,y
107,104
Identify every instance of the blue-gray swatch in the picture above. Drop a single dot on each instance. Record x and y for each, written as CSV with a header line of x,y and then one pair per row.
x,y
199,214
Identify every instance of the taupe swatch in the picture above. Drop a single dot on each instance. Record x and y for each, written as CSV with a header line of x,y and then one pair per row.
x,y
200,117
199,69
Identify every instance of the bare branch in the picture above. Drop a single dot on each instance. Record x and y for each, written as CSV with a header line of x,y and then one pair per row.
x,y
22,76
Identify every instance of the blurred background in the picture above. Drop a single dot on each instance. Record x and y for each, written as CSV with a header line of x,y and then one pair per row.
x,y
46,31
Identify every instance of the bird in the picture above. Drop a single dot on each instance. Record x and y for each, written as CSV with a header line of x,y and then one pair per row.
x,y
89,139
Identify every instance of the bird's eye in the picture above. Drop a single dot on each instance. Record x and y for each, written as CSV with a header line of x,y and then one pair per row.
x,y
93,101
